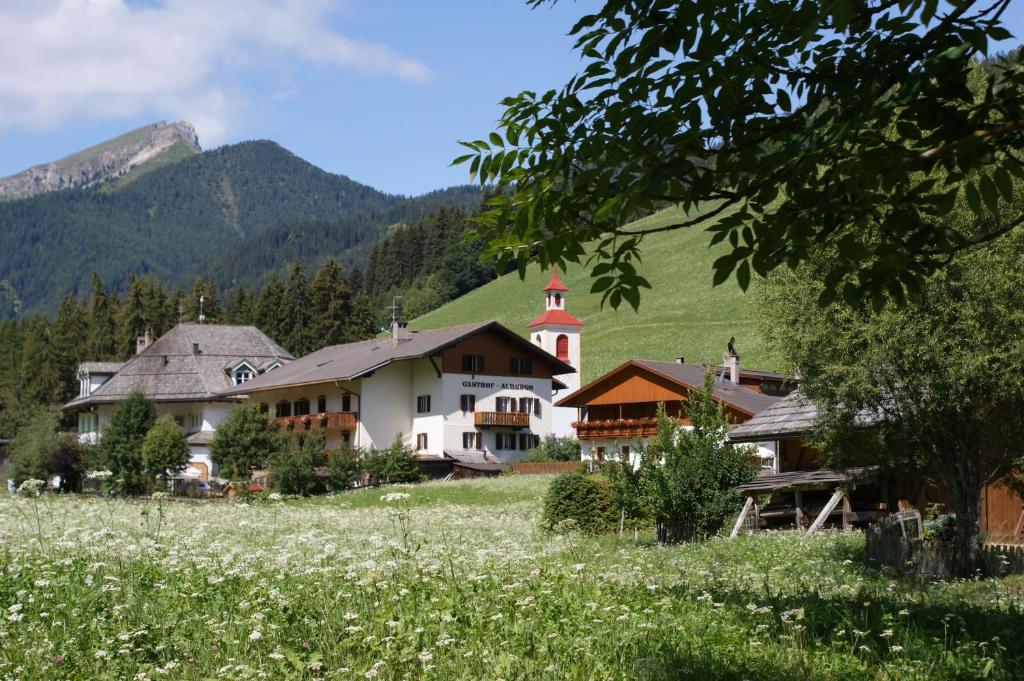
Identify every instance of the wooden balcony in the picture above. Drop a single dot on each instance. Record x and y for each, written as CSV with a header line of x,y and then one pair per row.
x,y
611,429
508,419
333,421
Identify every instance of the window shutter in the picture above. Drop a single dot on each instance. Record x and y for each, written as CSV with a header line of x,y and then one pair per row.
x,y
479,441
536,407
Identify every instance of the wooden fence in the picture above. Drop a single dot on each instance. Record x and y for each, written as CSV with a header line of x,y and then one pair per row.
x,y
532,468
897,543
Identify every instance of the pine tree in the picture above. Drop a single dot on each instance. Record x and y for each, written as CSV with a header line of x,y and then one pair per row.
x,y
40,376
240,308
362,322
101,342
331,305
211,309
132,319
269,311
66,334
296,314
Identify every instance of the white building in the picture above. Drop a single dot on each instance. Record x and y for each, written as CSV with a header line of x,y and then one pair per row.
x,y
478,394
184,373
558,332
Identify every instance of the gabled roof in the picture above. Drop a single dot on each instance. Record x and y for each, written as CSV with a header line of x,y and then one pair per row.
x,y
168,370
555,284
792,416
352,360
689,377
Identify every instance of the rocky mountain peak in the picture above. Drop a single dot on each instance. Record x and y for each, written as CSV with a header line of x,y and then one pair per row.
x,y
114,158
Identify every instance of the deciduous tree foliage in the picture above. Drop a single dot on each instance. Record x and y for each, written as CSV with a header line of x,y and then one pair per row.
x,y
787,124
932,389
122,442
164,450
245,440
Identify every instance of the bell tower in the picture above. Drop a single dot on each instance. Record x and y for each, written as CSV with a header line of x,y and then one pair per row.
x,y
558,332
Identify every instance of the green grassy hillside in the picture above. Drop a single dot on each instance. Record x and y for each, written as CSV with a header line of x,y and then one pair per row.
x,y
682,315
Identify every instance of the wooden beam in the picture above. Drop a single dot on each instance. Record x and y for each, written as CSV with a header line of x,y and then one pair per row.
x,y
847,511
743,516
798,500
823,516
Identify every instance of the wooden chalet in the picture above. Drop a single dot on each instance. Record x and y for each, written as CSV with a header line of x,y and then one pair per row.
x,y
619,410
802,493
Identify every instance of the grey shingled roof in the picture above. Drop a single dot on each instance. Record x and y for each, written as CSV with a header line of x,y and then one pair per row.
x,y
690,376
768,481
472,456
792,416
352,360
100,367
168,370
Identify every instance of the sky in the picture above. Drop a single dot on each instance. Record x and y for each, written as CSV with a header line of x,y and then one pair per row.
x,y
378,90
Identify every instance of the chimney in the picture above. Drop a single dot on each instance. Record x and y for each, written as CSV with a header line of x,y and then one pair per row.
x,y
732,362
680,360
399,332
143,341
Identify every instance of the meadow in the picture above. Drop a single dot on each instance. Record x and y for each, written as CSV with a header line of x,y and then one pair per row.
x,y
455,581
682,315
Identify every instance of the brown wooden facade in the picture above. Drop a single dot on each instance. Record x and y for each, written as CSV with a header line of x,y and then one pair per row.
x,y
497,352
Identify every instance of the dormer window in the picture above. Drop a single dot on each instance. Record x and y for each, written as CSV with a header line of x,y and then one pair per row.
x,y
242,373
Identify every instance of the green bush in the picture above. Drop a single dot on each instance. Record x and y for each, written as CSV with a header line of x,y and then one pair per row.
x,y
344,466
395,464
553,448
245,440
582,500
293,470
164,450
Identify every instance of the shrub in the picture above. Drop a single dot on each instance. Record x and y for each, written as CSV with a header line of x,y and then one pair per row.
x,y
553,448
584,500
164,450
395,464
32,447
687,478
344,466
293,470
245,440
67,460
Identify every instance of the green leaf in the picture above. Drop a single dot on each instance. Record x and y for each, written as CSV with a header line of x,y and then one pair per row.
x,y
1003,182
496,140
973,198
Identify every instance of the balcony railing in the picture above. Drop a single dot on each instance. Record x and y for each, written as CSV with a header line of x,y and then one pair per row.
x,y
330,421
514,419
616,428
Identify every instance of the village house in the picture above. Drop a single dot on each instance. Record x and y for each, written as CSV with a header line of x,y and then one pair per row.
x,y
800,489
184,372
478,394
617,412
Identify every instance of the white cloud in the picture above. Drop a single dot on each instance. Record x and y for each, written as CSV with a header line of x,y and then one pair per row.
x,y
188,59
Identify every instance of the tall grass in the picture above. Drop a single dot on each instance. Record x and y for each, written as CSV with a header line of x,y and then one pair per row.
x,y
455,581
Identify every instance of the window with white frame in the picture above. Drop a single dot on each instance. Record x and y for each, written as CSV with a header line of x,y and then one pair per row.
x,y
423,404
505,441
242,373
472,440
421,442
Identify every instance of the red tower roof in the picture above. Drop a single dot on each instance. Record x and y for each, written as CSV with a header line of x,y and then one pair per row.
x,y
555,284
556,317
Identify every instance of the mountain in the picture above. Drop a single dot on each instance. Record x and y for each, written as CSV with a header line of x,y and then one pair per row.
x,y
127,155
682,315
232,214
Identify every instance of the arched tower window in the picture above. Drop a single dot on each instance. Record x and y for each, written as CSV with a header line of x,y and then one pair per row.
x,y
558,300
536,339
562,347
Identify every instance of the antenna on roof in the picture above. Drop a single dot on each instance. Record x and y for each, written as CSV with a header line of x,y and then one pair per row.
x,y
202,317
396,310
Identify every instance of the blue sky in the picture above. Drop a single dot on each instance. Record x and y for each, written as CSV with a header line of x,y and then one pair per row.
x,y
376,90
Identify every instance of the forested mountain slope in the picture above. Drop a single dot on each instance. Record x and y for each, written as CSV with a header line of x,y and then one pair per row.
x,y
231,213
682,315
